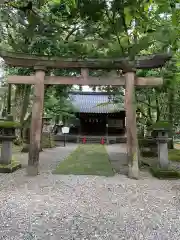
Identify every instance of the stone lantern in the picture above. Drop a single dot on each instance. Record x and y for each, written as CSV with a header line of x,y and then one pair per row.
x,y
46,124
7,135
47,140
161,135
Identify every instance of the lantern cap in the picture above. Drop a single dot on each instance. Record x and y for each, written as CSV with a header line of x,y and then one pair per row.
x,y
161,126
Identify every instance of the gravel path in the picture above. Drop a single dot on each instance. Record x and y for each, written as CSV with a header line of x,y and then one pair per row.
x,y
54,207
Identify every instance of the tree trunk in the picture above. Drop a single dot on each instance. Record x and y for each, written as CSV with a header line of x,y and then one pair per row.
x,y
157,109
170,116
9,99
26,98
57,119
25,104
149,108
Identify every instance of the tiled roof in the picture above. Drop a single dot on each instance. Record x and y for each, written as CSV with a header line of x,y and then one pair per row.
x,y
88,102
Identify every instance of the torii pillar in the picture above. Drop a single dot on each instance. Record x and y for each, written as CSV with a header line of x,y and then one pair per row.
x,y
36,121
131,127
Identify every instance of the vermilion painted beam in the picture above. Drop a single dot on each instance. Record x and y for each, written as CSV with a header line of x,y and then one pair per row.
x,y
113,81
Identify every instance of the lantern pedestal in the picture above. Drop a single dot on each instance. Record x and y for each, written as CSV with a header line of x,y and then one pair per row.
x,y
6,152
163,151
47,140
161,135
7,135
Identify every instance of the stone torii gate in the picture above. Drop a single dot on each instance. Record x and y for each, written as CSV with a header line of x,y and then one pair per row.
x,y
39,80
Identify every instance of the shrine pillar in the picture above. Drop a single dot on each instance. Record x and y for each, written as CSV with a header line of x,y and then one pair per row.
x,y
131,128
36,121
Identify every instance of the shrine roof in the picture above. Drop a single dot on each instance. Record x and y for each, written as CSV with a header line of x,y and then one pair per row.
x,y
94,102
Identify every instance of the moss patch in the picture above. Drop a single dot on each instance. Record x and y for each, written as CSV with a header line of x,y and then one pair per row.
x,y
88,159
161,125
165,173
9,124
13,164
10,167
174,155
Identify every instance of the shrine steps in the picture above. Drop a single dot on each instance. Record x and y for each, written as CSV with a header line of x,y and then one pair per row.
x,y
85,139
91,139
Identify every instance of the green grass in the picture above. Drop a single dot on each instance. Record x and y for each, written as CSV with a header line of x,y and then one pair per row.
x,y
174,155
90,159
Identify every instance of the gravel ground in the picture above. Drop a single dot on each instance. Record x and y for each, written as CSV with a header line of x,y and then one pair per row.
x,y
86,207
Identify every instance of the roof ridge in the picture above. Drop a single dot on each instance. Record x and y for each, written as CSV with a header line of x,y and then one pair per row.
x,y
88,93
94,102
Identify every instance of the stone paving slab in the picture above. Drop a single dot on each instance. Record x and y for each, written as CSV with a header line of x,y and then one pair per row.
x,y
54,207
118,157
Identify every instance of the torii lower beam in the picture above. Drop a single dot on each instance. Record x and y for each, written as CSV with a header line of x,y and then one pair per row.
x,y
113,81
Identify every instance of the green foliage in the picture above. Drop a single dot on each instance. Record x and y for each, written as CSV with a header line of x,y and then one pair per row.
x,y
85,27
58,105
96,28
165,173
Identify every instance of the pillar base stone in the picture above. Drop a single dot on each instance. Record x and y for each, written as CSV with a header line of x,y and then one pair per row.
x,y
133,172
32,170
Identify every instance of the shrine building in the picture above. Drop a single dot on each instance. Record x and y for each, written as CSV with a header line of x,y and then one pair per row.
x,y
96,117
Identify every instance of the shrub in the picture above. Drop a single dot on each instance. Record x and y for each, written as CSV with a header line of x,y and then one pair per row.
x,y
18,141
149,153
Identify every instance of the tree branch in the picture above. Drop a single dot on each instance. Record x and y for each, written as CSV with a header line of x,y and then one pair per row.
x,y
115,32
70,33
147,104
